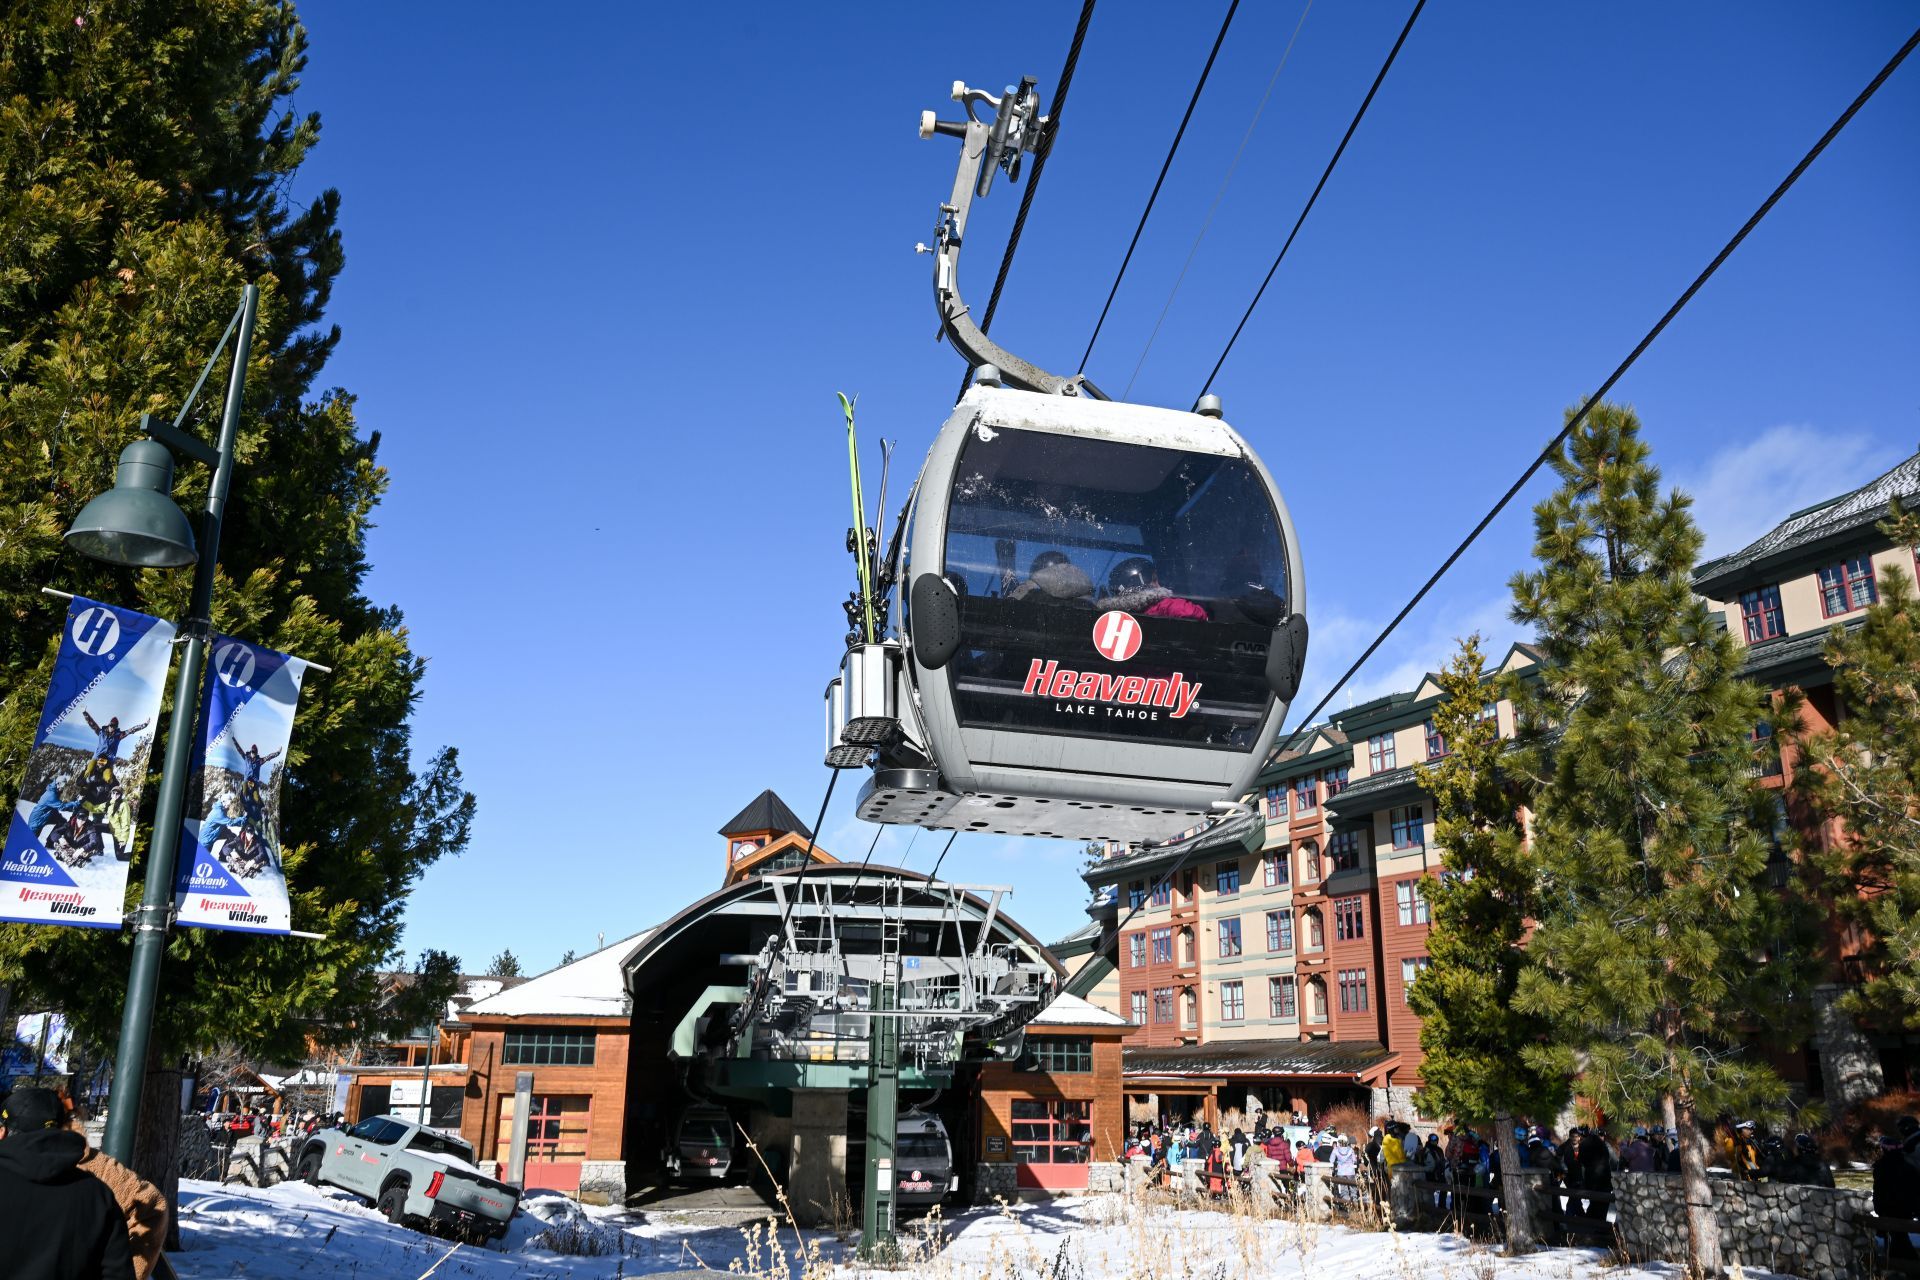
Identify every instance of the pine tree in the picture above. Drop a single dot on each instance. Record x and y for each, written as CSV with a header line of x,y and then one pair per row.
x,y
146,150
568,957
1658,941
1474,1040
504,965
1867,773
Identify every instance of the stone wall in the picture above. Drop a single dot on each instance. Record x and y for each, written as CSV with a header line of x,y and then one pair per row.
x,y
603,1182
1849,1064
994,1181
1813,1232
1394,1101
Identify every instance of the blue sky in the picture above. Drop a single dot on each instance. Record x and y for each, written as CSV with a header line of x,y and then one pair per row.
x,y
608,264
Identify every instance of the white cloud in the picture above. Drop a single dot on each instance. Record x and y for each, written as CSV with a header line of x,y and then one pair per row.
x,y
1425,642
1746,489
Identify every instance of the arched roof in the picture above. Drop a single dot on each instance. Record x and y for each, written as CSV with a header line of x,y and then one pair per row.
x,y
922,891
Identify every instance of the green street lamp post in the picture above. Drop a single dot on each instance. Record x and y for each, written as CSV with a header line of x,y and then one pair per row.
x,y
136,523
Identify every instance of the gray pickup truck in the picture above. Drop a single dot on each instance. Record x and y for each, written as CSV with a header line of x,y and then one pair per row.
x,y
416,1177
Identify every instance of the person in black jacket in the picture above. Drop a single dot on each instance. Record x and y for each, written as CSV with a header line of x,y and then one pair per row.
x,y
1896,1185
1596,1170
56,1222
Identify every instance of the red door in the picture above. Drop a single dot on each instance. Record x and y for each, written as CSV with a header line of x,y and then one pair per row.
x,y
556,1139
1050,1147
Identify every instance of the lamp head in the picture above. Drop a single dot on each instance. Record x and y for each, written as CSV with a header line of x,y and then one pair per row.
x,y
136,523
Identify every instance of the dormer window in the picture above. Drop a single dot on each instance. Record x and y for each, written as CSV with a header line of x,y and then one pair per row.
x,y
1760,610
1847,586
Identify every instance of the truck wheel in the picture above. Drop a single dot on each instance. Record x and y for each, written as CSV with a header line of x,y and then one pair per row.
x,y
393,1204
309,1171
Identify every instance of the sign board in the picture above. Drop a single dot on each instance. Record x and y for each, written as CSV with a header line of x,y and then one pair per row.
x,y
996,1145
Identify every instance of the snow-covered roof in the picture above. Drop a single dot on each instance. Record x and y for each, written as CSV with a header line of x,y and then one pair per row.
x,y
590,987
1071,1011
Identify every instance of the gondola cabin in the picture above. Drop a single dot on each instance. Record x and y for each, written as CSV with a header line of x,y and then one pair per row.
x,y
1101,612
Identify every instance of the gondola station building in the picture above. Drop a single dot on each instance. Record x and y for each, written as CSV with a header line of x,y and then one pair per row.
x,y
620,1042
1275,977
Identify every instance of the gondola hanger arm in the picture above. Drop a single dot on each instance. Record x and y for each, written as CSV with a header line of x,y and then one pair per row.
x,y
1015,128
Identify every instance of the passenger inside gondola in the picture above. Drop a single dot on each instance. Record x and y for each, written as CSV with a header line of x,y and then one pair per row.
x,y
1055,579
1134,586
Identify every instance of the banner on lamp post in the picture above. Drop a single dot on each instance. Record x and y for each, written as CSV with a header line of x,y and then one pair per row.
x,y
230,872
70,836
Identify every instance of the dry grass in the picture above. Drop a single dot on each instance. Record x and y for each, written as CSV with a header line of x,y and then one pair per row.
x,y
1348,1119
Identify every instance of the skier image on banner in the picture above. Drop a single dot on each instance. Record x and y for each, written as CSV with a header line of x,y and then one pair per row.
x,y
107,740
82,770
228,833
253,797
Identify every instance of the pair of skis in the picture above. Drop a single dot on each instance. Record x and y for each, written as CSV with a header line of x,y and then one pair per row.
x,y
867,605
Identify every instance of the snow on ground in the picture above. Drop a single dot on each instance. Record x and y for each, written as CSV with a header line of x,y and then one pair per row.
x,y
293,1230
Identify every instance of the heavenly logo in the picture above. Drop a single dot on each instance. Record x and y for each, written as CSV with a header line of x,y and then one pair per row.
x,y
207,876
96,631
1116,635
1049,680
28,864
233,663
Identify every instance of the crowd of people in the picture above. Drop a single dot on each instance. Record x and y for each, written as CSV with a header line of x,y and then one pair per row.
x,y
1581,1164
229,1127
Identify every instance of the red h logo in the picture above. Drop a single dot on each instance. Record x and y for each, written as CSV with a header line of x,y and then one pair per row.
x,y
1116,635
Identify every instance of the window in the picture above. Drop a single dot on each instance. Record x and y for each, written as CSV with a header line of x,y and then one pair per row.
x,y
1229,937
1163,946
1761,612
1316,1000
548,1049
1136,895
1226,878
1136,950
1280,999
1051,1130
1189,1009
1409,828
1436,741
1058,1054
1765,750
1779,859
1306,795
1410,969
1316,931
1273,868
1310,859
1180,510
1847,586
1163,1004
1280,929
1412,903
1350,918
1233,1001
1343,847
1353,991
1336,779
1276,801
556,1127
1380,754
1138,1002
1162,892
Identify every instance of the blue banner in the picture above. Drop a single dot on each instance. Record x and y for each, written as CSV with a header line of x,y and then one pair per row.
x,y
71,835
230,874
